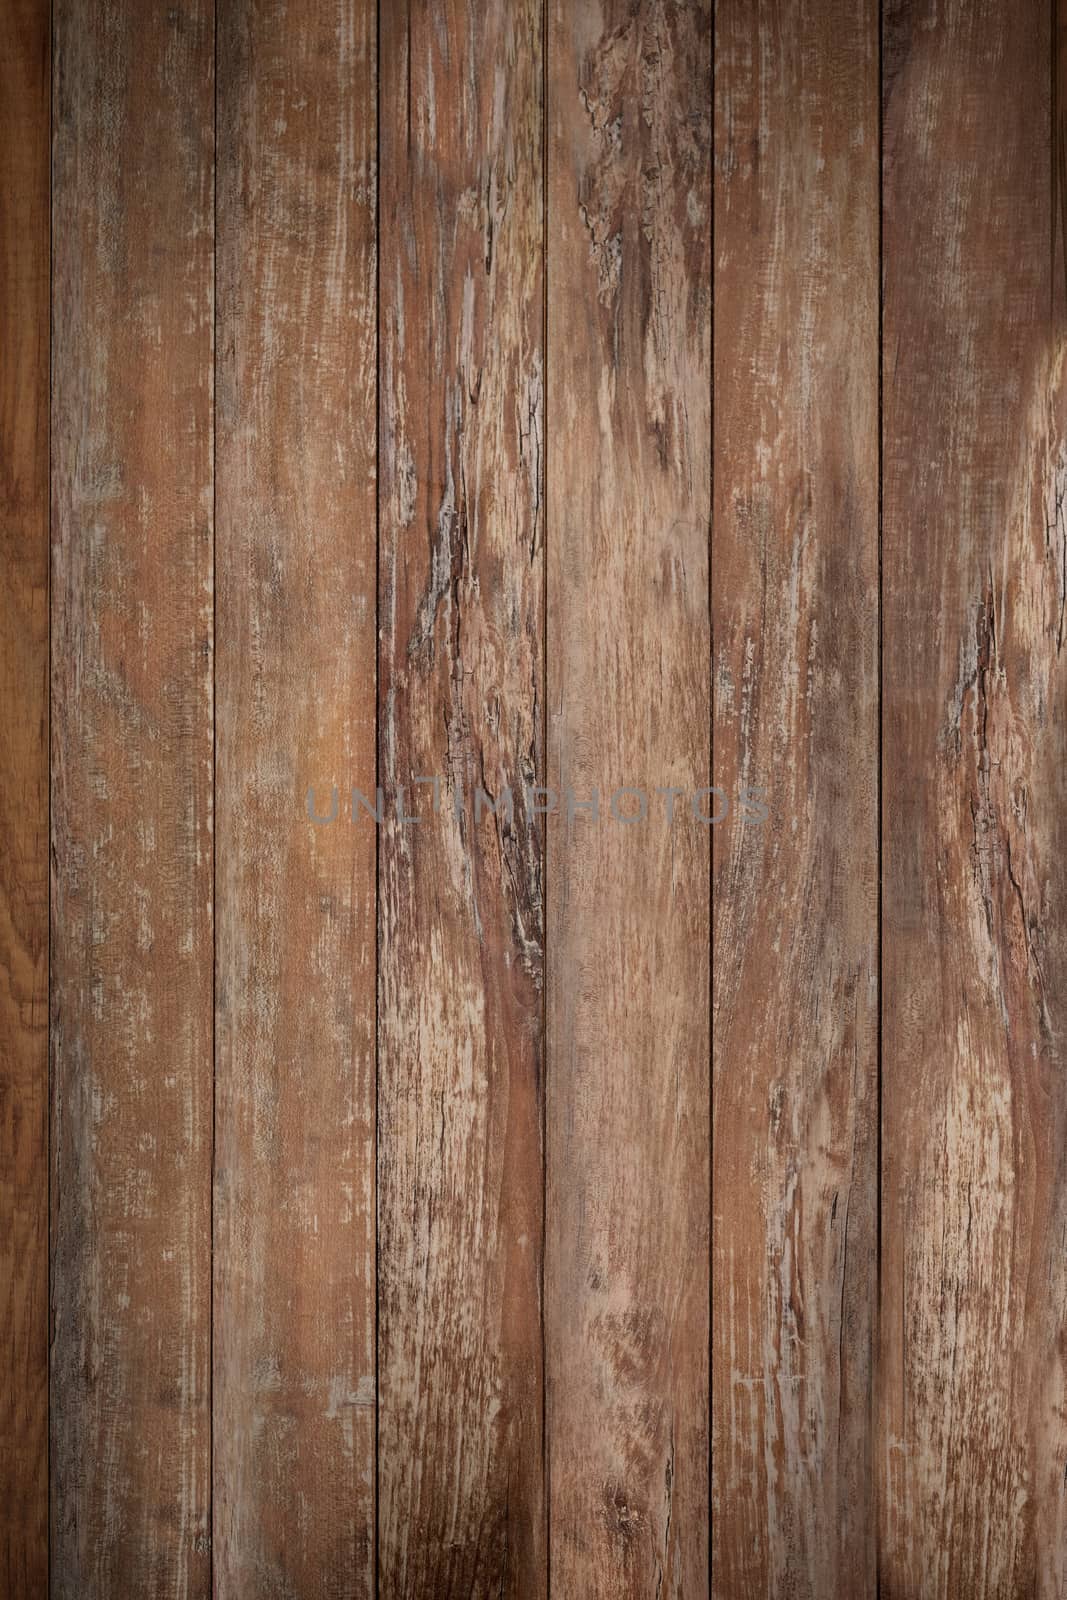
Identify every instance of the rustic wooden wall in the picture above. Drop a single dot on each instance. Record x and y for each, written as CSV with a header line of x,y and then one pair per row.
x,y
24,319
973,1428
132,779
795,955
460,700
295,492
523,1200
628,436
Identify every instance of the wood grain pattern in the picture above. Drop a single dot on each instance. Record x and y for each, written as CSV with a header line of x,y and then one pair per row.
x,y
492,1201
294,1184
24,334
461,699
629,667
795,606
131,799
974,1290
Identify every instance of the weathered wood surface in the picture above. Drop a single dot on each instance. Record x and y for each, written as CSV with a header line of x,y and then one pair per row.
x,y
795,970
973,1441
629,669
541,1160
131,799
24,319
294,1346
460,896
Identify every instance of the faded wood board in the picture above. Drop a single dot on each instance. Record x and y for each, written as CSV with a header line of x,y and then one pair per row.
x,y
131,799
24,333
477,1204
294,1287
973,1443
460,894
795,970
628,914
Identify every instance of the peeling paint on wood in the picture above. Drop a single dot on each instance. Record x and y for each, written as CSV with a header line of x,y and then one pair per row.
x,y
294,1346
131,799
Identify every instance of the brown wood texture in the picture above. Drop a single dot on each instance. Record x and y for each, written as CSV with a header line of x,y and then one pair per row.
x,y
973,1443
537,401
294,1302
628,903
460,894
131,799
795,970
24,340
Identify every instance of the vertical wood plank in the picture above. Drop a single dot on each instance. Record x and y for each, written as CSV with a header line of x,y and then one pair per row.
x,y
131,798
294,1194
795,606
24,333
629,669
461,701
974,1294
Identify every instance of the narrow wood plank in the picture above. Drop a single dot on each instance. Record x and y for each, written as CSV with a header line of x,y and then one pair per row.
x,y
461,698
629,670
795,606
24,318
294,1194
131,798
974,1296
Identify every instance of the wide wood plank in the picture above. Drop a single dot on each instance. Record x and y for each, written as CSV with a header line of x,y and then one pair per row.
x,y
294,1184
795,981
974,1283
629,680
131,798
461,702
24,316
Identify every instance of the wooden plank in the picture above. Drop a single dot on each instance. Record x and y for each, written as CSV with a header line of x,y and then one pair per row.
x,y
795,607
131,798
461,700
294,1194
24,316
629,670
974,1291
